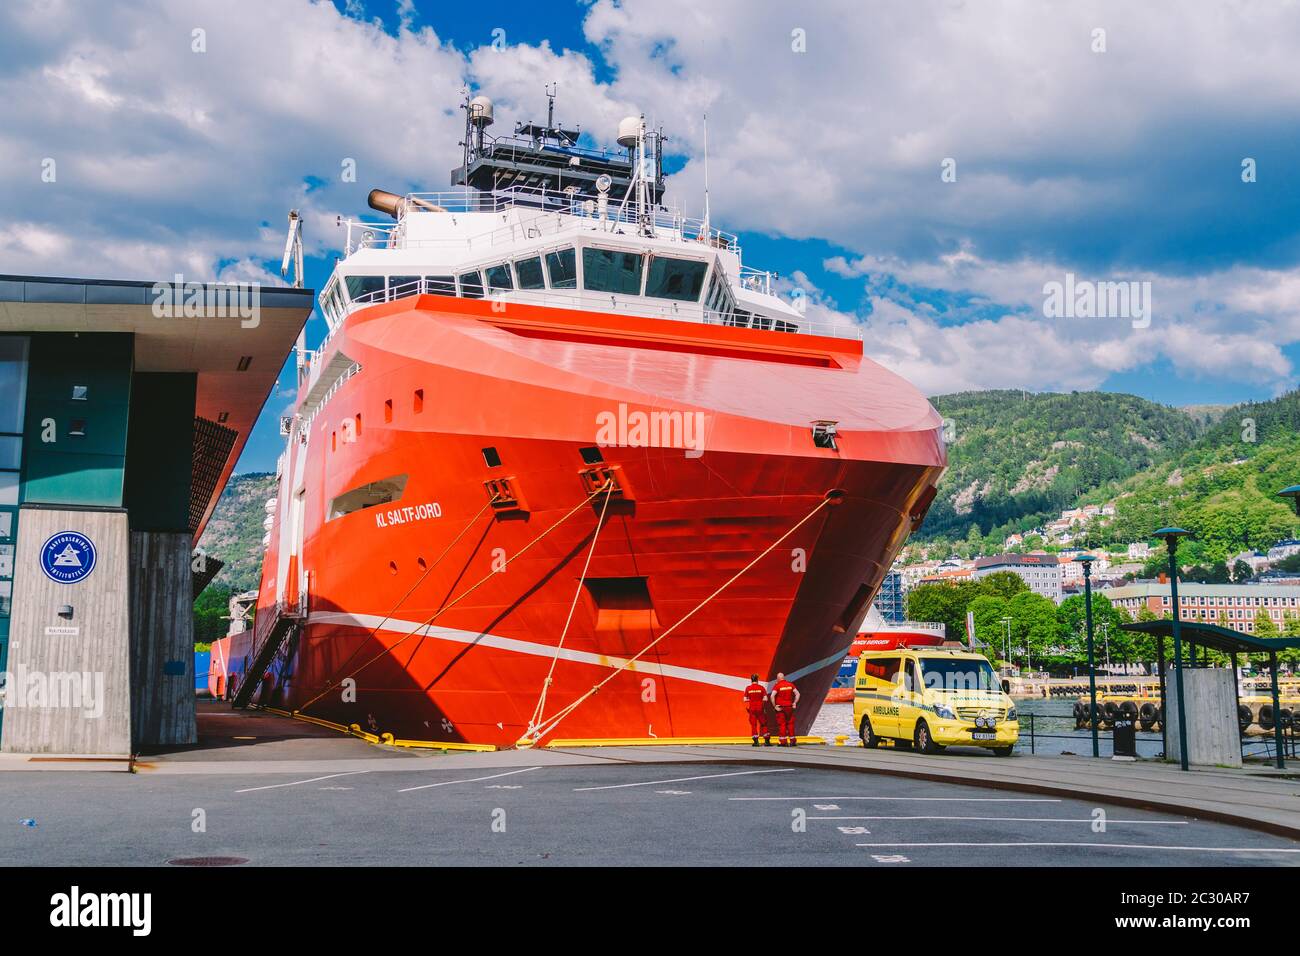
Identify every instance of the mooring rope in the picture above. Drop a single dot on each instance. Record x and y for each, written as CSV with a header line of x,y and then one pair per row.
x,y
329,684
549,725
448,605
546,684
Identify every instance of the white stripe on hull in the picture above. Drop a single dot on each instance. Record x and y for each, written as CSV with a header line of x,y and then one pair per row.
x,y
372,621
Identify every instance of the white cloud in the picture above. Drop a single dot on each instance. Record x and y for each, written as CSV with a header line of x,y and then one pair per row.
x,y
1114,165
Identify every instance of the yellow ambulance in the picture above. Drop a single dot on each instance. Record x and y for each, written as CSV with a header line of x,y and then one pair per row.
x,y
930,698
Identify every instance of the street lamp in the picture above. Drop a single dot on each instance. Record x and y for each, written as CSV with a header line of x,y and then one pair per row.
x,y
1006,626
1086,560
1172,536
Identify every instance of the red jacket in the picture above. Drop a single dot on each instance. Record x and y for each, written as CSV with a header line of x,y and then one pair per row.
x,y
755,695
783,693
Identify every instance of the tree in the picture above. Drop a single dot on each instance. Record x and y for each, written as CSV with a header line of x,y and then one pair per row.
x,y
988,611
211,610
1264,626
1033,624
1003,584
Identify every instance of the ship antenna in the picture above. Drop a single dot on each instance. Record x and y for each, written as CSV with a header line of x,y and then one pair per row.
x,y
550,105
706,174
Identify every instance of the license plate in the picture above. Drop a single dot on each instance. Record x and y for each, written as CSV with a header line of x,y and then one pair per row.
x,y
984,735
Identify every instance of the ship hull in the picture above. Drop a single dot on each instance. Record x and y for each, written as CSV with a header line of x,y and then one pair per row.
x,y
443,615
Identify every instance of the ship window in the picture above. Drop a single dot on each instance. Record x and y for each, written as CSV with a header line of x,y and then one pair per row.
x,y
529,273
440,285
367,496
562,265
491,457
418,404
783,326
471,285
401,286
604,270
359,286
388,410
498,277
680,279
739,318
761,321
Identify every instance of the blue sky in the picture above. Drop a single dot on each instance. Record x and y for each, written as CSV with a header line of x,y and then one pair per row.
x,y
828,129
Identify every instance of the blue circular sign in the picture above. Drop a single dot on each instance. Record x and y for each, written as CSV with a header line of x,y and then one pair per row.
x,y
68,557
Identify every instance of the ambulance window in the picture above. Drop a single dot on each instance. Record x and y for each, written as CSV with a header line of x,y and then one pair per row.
x,y
910,680
880,668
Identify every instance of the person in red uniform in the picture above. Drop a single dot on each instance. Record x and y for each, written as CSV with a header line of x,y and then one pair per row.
x,y
756,704
785,697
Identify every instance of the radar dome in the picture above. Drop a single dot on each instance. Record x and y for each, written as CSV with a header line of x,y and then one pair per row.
x,y
480,111
629,128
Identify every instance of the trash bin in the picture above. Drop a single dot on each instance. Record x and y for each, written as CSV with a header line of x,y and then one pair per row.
x,y
1124,737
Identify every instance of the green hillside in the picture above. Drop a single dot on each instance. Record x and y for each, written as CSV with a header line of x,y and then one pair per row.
x,y
1223,487
1016,458
234,534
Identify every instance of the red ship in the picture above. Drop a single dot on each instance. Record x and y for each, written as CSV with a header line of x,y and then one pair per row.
x,y
564,468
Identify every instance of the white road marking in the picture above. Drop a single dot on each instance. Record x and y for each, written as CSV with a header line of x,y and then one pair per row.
x,y
921,799
1098,846
710,776
448,783
890,858
276,786
1175,823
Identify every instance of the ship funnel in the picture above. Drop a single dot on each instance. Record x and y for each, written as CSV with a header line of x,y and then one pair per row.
x,y
386,202
398,206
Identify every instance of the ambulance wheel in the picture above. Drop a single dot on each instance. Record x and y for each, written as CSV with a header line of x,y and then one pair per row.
x,y
922,740
1002,751
869,738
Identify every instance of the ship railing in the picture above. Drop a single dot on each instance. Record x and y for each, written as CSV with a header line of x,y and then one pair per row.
x,y
351,370
666,223
639,306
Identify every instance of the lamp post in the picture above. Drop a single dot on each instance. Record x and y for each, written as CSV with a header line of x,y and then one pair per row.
x,y
1172,536
1006,626
1086,560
